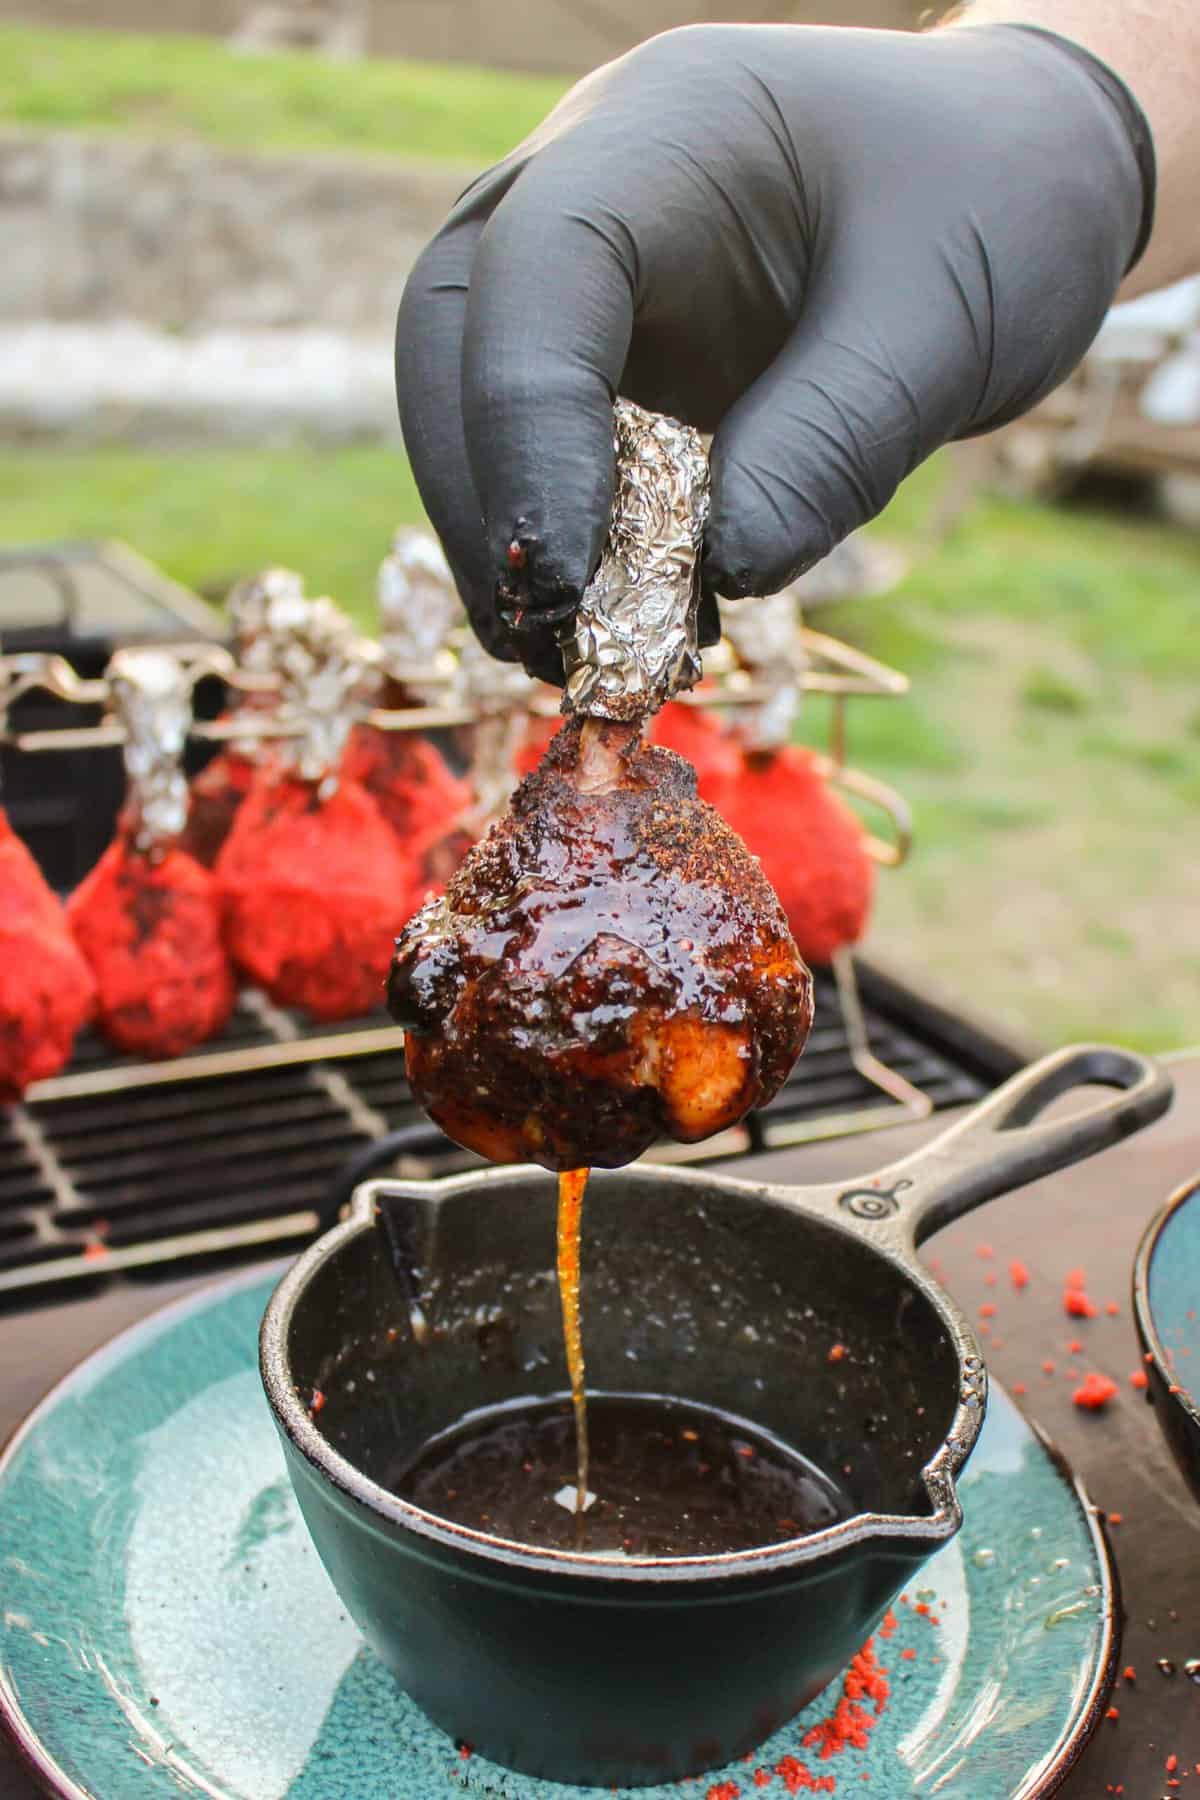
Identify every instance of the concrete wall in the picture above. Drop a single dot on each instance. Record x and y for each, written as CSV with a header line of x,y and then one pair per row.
x,y
188,238
551,35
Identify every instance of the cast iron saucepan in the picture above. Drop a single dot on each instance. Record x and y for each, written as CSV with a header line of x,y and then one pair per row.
x,y
724,1292
1166,1300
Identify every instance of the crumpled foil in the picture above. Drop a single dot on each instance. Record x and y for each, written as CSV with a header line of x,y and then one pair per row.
x,y
246,604
633,639
419,604
765,637
152,698
499,694
324,677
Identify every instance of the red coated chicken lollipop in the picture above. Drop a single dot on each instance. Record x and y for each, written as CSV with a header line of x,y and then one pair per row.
x,y
314,881
148,916
46,988
811,847
219,789
404,773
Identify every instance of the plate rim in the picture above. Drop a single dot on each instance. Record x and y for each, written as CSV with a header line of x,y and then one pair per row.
x,y
1177,1392
36,1759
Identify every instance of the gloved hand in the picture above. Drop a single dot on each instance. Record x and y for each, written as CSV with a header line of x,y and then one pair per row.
x,y
835,249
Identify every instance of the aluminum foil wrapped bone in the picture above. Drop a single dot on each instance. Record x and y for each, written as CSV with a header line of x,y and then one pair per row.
x,y
151,694
764,635
500,695
634,634
419,606
326,681
246,604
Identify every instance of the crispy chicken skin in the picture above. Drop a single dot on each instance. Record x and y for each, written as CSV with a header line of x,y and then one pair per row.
x,y
608,966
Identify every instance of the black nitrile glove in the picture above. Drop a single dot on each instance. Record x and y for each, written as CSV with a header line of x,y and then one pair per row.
x,y
835,249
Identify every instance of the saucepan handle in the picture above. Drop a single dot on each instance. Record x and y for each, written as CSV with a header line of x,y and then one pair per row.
x,y
1000,1145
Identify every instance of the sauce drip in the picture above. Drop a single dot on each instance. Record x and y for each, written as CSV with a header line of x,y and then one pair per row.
x,y
571,1186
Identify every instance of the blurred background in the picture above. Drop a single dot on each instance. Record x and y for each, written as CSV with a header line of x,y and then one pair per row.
x,y
208,208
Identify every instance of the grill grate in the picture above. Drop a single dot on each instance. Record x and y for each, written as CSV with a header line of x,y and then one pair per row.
x,y
118,1165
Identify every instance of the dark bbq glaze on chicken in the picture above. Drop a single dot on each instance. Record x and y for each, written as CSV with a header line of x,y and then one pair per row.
x,y
608,966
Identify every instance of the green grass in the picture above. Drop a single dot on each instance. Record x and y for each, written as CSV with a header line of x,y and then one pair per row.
x,y
1049,749
195,88
208,517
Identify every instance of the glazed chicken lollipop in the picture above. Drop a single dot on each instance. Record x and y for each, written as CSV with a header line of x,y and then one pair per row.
x,y
609,965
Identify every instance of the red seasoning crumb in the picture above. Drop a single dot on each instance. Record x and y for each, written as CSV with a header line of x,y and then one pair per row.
x,y
1095,1392
1047,1367
1075,1348
1018,1388
908,1655
723,1790
1018,1274
797,1777
1139,1379
1077,1305
464,1750
836,1352
1116,1518
988,1310
888,1627
1129,1673
1112,1309
91,1251
762,1777
984,1251
1114,1712
1075,1278
317,1401
1172,1764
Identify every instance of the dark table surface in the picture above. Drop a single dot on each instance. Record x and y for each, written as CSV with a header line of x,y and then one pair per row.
x,y
1091,1216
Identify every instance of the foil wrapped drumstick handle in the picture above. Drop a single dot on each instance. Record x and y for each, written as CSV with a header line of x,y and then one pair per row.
x,y
151,694
632,642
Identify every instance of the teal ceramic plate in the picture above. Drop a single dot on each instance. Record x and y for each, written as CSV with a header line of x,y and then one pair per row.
x,y
167,1628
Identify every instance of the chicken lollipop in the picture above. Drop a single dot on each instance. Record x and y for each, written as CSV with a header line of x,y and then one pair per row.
x,y
46,990
313,879
402,771
812,848
221,786
148,916
609,964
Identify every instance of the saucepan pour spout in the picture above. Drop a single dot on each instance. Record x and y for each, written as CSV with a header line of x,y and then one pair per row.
x,y
1002,1144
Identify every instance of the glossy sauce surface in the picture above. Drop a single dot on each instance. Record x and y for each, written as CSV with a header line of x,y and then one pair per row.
x,y
608,966
671,1479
